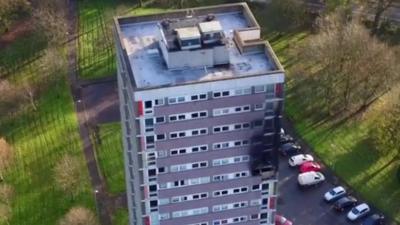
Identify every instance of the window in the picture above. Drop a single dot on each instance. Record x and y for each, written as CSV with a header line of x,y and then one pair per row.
x,y
188,116
230,160
188,133
190,212
191,98
188,166
254,216
160,137
163,201
255,187
244,91
230,144
231,110
231,127
160,119
183,183
230,191
148,104
270,89
163,216
229,206
259,88
191,197
162,170
230,220
258,107
159,102
162,154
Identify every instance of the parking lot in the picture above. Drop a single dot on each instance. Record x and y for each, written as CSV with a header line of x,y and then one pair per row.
x,y
306,206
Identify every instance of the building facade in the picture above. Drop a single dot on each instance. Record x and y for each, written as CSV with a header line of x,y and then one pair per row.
x,y
201,97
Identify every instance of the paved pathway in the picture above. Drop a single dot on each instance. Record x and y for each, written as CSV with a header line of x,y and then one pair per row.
x,y
105,203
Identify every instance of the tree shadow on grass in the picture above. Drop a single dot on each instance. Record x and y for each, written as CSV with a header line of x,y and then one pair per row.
x,y
356,161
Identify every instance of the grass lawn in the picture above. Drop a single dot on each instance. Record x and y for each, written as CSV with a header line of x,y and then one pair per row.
x,y
110,156
121,217
39,140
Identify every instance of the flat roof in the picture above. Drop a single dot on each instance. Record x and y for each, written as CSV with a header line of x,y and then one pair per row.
x,y
139,37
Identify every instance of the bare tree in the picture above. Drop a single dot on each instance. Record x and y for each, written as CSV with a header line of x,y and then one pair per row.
x,y
50,18
377,8
68,175
6,156
350,68
6,193
79,216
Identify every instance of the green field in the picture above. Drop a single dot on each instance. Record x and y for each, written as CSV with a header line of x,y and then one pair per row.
x,y
39,140
110,157
121,217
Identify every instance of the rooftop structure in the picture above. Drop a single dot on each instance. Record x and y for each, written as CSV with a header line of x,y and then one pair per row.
x,y
153,45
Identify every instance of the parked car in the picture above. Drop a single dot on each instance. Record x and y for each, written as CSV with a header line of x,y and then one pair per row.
x,y
281,220
334,194
344,203
375,219
286,138
310,166
358,212
300,159
290,149
310,178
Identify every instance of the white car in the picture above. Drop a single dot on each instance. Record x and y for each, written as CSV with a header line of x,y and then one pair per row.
x,y
297,160
359,211
310,178
334,194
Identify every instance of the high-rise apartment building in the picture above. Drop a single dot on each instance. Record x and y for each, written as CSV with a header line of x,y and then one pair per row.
x,y
201,101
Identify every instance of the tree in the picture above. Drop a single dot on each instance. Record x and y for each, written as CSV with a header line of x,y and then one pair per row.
x,y
50,18
11,10
79,216
6,156
69,176
349,68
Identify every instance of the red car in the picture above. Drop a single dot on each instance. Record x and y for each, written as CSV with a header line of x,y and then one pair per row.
x,y
310,166
281,220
